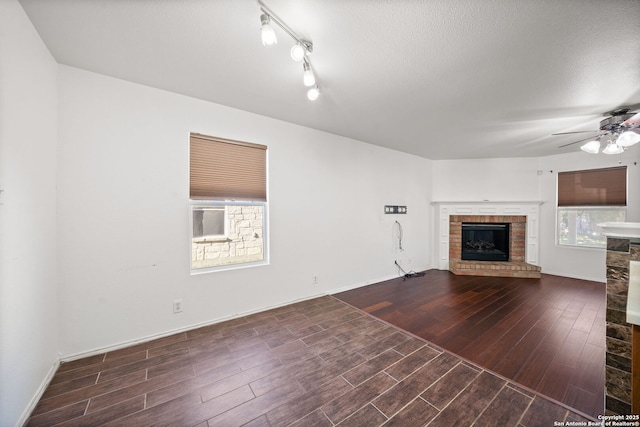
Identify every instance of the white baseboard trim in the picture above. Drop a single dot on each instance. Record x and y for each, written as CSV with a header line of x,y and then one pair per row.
x,y
574,276
370,282
22,421
95,351
359,285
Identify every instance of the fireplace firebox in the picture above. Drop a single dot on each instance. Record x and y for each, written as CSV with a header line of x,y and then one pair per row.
x,y
485,241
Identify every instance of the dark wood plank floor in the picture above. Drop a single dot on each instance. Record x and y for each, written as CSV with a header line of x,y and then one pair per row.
x,y
546,334
320,362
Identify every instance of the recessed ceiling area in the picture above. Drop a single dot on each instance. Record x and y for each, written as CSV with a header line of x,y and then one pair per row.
x,y
442,79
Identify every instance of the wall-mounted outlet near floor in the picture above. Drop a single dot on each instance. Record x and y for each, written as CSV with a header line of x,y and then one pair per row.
x,y
177,306
314,280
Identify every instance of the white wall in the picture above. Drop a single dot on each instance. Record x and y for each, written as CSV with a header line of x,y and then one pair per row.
x,y
534,179
124,215
28,302
477,180
581,263
486,179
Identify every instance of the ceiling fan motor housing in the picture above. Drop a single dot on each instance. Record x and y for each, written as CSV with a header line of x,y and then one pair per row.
x,y
612,123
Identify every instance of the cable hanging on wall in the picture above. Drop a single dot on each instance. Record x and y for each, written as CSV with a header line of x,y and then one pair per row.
x,y
399,232
300,51
401,271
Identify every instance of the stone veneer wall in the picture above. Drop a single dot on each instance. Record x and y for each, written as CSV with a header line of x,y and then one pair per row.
x,y
619,353
243,242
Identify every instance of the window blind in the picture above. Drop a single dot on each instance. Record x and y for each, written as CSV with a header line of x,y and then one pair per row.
x,y
595,187
222,169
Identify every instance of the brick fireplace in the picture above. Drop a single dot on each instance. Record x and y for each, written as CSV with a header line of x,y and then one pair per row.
x,y
514,267
525,238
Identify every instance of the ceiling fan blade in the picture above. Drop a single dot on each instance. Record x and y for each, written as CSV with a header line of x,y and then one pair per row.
x,y
576,142
623,109
580,131
633,121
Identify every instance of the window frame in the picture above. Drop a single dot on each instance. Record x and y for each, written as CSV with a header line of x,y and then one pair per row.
x,y
195,204
213,183
600,189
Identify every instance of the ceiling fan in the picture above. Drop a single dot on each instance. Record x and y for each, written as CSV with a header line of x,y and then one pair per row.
x,y
620,130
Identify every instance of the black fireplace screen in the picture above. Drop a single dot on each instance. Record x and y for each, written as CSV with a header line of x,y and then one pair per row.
x,y
485,242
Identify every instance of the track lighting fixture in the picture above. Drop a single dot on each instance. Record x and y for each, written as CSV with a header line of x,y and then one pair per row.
x,y
299,52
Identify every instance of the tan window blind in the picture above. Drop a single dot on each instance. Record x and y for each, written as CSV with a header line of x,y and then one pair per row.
x,y
222,169
596,187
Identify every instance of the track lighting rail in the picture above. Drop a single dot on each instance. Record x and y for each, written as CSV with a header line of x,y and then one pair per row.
x,y
299,52
307,45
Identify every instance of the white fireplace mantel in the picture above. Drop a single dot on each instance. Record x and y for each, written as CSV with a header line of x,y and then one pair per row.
x,y
444,209
486,202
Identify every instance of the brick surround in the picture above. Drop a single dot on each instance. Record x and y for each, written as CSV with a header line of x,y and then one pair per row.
x,y
515,267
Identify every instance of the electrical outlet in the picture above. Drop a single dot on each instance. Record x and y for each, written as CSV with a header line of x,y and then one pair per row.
x,y
177,306
314,281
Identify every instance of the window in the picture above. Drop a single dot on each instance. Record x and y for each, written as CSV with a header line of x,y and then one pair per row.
x,y
578,226
228,203
209,222
587,198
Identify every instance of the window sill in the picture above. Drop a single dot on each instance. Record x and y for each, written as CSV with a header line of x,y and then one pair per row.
x,y
591,248
216,239
227,267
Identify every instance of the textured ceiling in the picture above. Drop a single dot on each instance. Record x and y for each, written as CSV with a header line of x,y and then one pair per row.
x,y
442,79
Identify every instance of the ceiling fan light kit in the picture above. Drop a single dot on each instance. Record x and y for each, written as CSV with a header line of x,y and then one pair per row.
x,y
622,130
591,147
628,138
299,52
612,148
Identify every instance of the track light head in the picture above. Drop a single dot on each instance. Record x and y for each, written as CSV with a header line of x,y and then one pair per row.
x,y
308,78
301,50
297,52
313,93
268,35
